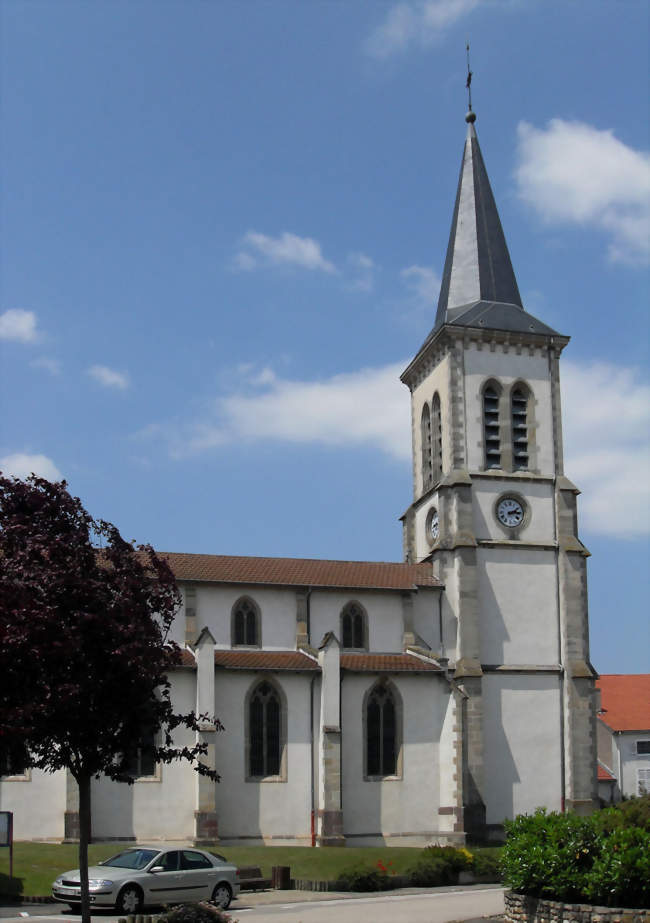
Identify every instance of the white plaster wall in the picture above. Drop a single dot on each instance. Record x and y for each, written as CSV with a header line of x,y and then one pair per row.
x,y
37,803
277,607
445,570
518,606
537,494
438,381
268,811
480,365
384,609
152,809
630,761
522,744
425,617
395,806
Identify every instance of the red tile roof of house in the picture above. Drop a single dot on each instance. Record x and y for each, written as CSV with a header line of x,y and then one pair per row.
x,y
604,775
216,568
625,699
294,661
387,663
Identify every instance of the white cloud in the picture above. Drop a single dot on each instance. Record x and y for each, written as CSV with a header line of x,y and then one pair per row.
x,y
17,324
53,366
423,284
363,268
21,465
606,411
109,378
415,23
286,250
572,173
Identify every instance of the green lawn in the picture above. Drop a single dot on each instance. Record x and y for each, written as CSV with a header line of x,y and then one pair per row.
x,y
36,865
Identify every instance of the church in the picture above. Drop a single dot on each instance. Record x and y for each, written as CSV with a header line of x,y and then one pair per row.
x,y
408,703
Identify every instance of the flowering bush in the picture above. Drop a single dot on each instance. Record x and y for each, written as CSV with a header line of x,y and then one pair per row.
x,y
365,877
439,865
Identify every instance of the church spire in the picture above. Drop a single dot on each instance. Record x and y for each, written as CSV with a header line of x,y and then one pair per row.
x,y
478,266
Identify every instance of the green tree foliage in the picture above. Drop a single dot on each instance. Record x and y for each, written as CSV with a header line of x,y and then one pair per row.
x,y
85,655
603,859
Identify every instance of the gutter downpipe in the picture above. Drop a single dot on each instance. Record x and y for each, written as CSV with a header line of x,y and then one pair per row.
x,y
312,814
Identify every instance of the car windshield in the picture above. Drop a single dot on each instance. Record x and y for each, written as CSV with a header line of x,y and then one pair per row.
x,y
132,858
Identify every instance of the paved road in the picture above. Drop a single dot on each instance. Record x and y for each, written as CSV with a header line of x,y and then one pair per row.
x,y
411,906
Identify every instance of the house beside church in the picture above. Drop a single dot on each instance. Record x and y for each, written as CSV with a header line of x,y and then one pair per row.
x,y
402,703
623,736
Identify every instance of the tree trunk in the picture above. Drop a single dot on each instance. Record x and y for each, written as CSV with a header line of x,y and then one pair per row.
x,y
84,839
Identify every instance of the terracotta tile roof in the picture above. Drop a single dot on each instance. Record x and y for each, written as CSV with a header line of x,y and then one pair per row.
x,y
187,660
387,663
216,568
625,699
604,775
294,661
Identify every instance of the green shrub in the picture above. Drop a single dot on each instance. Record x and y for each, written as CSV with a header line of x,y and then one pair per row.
x,y
633,812
195,913
364,877
577,859
487,863
439,865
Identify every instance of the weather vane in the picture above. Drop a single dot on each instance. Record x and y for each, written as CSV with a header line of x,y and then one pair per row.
x,y
468,85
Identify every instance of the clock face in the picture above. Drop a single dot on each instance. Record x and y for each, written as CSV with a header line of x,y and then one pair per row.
x,y
510,512
434,524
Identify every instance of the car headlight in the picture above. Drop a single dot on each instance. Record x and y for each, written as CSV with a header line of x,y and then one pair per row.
x,y
96,884
59,880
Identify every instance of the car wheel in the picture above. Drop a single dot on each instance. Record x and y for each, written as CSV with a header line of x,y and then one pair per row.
x,y
129,900
222,895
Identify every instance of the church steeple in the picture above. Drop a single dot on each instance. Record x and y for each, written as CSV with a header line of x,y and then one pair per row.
x,y
479,288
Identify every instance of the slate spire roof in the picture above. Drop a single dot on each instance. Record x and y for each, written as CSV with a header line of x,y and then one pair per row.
x,y
479,288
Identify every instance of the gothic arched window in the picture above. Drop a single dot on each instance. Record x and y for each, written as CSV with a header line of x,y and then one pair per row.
x,y
354,627
436,439
491,429
264,731
519,415
245,624
425,430
382,733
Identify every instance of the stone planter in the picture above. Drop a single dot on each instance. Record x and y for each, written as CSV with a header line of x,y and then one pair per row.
x,y
520,908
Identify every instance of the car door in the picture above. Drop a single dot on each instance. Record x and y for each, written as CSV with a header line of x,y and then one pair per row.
x,y
166,885
198,875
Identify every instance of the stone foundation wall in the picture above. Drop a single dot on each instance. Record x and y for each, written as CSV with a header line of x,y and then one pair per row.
x,y
519,908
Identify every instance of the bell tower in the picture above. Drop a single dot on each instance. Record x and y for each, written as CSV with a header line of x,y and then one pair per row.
x,y
494,513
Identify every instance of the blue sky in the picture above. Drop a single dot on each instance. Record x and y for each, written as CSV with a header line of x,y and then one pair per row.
x,y
223,227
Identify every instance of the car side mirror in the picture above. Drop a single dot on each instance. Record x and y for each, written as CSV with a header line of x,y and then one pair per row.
x,y
157,868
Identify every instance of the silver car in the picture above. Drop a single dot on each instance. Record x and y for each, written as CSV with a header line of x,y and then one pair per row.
x,y
147,875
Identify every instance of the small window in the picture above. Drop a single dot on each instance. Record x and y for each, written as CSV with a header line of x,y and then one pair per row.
x,y
141,762
13,761
643,781
427,474
381,733
245,624
642,747
169,861
436,439
491,431
519,407
264,728
353,627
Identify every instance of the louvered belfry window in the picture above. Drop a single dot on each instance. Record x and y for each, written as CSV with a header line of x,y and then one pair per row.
x,y
353,627
264,731
436,439
381,733
427,475
519,429
491,428
245,629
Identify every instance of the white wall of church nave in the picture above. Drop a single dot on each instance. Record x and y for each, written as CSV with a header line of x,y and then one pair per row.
x,y
522,744
481,365
158,808
277,605
426,619
437,380
539,525
384,610
37,802
517,593
254,808
409,803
